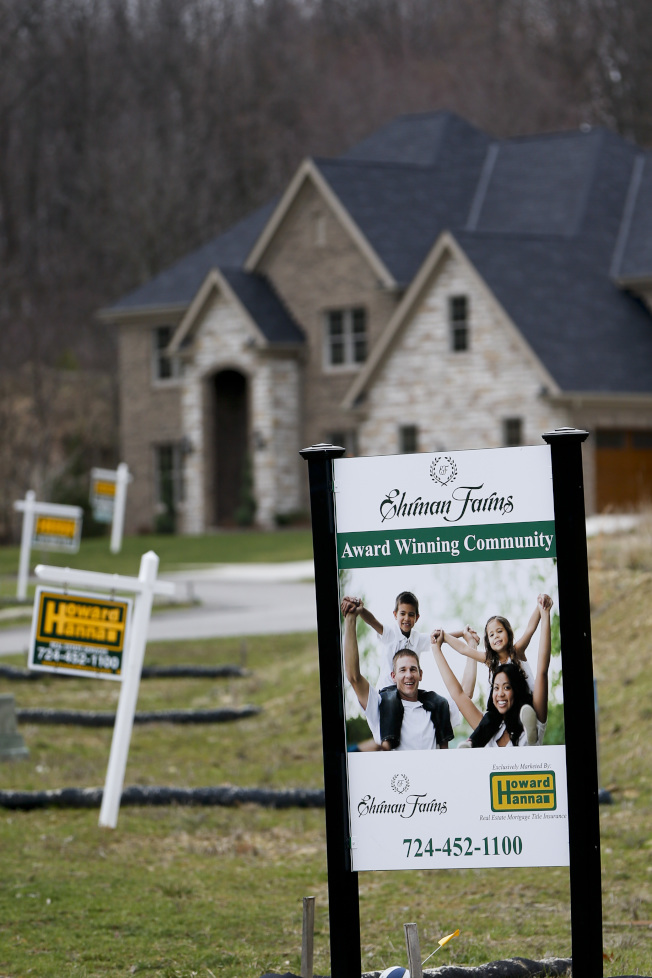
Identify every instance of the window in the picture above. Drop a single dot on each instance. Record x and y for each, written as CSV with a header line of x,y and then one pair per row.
x,y
165,368
408,439
346,337
169,482
346,439
512,432
458,317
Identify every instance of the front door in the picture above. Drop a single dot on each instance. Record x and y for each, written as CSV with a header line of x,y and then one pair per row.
x,y
231,444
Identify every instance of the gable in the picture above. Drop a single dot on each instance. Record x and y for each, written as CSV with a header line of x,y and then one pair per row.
x,y
308,173
448,395
252,299
445,251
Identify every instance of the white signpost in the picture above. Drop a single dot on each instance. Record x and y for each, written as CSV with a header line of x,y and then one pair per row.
x,y
47,526
109,500
143,587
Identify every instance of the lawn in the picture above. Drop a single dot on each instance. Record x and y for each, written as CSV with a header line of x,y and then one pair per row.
x,y
180,892
175,552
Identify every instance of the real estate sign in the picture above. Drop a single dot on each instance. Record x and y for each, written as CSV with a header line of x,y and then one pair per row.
x,y
78,633
56,532
102,494
472,536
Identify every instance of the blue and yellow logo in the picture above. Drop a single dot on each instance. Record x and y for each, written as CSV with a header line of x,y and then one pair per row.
x,y
524,791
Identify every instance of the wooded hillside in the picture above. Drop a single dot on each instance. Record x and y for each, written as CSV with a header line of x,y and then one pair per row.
x,y
131,131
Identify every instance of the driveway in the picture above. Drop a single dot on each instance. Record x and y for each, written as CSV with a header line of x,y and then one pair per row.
x,y
235,599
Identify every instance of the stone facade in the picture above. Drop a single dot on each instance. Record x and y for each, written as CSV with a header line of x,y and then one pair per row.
x,y
456,399
225,340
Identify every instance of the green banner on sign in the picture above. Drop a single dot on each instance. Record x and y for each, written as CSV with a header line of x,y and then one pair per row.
x,y
445,545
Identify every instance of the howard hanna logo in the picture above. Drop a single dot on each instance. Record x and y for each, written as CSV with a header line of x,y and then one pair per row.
x,y
531,791
443,470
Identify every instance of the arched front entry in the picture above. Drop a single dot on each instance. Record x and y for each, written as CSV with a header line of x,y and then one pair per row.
x,y
231,443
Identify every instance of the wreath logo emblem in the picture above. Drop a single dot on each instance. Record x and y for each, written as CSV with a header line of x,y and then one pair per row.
x,y
400,783
443,470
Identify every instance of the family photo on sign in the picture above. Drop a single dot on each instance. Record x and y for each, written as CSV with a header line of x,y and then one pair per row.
x,y
404,714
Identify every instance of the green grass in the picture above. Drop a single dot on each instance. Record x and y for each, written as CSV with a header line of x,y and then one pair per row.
x,y
243,546
281,748
181,892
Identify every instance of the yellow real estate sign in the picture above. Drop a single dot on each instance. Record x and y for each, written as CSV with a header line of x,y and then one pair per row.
x,y
56,532
78,633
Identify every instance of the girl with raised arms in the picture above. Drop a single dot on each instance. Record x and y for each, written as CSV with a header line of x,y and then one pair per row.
x,y
500,648
518,713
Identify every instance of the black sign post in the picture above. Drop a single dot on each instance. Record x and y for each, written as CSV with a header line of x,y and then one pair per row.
x,y
579,710
343,904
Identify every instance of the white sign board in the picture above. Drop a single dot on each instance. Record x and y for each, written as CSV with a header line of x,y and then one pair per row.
x,y
55,532
471,535
102,494
48,526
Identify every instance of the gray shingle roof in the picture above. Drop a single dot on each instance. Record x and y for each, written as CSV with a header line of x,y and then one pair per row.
x,y
178,284
264,306
402,210
552,275
590,335
538,186
424,139
550,221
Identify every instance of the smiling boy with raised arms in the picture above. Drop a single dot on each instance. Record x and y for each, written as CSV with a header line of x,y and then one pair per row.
x,y
425,720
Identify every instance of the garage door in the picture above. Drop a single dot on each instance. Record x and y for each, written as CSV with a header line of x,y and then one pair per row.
x,y
623,468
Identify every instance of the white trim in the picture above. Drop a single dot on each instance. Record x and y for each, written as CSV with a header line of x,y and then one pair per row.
x,y
581,399
445,246
308,170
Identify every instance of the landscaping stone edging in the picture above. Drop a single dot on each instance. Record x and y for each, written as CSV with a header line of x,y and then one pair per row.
x,y
509,968
149,672
105,718
226,795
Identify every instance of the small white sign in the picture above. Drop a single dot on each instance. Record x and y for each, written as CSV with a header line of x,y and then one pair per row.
x,y
55,532
102,495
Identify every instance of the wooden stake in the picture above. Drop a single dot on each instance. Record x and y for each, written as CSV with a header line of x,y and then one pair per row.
x,y
308,937
413,950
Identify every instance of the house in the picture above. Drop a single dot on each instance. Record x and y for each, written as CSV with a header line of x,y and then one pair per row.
x,y
432,289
